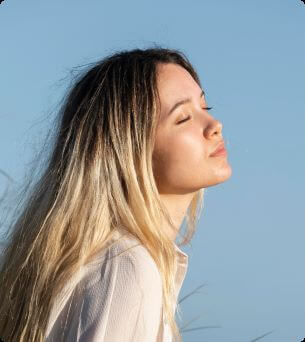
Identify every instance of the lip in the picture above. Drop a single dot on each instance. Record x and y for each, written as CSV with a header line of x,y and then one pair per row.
x,y
220,151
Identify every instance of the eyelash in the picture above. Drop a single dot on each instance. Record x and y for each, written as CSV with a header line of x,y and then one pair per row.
x,y
179,122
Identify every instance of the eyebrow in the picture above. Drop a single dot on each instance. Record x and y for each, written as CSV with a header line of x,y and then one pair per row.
x,y
181,102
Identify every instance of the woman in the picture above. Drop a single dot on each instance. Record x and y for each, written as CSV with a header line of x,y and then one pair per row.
x,y
92,255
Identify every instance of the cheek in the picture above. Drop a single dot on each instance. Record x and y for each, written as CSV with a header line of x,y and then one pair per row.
x,y
181,163
182,153
188,147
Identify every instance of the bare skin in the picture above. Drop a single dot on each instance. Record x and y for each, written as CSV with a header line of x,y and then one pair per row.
x,y
181,158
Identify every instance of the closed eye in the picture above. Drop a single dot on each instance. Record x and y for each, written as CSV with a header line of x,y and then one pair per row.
x,y
187,118
179,122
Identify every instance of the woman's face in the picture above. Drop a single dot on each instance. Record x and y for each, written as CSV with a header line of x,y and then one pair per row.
x,y
181,159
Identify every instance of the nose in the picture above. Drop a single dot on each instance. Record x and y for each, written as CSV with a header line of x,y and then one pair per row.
x,y
213,128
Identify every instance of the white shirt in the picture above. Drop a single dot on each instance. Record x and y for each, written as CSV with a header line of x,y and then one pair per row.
x,y
115,298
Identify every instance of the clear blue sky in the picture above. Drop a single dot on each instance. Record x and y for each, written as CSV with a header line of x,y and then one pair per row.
x,y
249,246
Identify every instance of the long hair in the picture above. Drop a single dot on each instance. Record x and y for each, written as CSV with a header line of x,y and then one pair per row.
x,y
97,176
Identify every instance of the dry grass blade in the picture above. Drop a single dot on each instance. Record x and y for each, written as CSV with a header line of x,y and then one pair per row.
x,y
7,176
7,186
182,329
260,337
200,328
192,320
186,296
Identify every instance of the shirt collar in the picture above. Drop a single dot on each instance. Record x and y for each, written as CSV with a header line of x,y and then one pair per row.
x,y
181,271
182,256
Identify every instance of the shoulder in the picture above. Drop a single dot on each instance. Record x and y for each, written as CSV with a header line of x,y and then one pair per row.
x,y
126,260
118,293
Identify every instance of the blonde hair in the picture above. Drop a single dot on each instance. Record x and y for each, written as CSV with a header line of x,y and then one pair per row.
x,y
97,177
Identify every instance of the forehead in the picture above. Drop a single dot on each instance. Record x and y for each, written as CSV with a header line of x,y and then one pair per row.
x,y
174,82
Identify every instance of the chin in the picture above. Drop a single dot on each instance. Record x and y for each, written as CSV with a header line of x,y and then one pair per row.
x,y
220,178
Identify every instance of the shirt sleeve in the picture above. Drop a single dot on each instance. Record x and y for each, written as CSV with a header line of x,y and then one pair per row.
x,y
120,302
